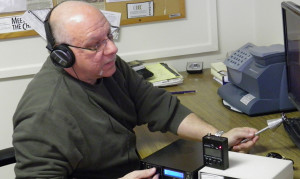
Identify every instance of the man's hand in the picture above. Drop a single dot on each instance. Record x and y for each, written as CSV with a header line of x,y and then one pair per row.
x,y
236,135
142,174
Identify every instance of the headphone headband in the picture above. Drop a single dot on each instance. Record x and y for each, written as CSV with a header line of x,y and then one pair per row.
x,y
61,55
49,36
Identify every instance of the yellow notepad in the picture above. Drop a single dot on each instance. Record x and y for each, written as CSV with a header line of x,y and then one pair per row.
x,y
161,72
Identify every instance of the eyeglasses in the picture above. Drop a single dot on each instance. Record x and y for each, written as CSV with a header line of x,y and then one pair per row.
x,y
99,47
277,155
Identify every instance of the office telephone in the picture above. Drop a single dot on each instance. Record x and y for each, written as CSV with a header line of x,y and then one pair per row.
x,y
240,58
257,76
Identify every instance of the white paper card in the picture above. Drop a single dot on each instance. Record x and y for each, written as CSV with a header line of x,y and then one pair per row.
x,y
114,18
137,10
36,20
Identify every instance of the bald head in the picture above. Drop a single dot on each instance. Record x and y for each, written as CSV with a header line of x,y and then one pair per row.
x,y
71,19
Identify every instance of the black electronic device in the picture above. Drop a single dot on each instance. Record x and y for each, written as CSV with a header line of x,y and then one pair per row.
x,y
194,67
181,159
61,55
215,151
291,29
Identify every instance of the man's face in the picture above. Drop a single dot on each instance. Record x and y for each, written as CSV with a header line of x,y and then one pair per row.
x,y
93,33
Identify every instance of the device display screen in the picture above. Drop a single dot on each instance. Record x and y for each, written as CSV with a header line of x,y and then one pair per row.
x,y
212,152
174,174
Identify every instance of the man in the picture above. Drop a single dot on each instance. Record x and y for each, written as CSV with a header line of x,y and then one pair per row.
x,y
76,117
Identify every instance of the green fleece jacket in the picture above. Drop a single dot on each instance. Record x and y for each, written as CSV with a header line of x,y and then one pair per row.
x,y
64,128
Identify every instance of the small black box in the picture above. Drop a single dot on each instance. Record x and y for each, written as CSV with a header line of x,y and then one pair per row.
x,y
215,152
180,160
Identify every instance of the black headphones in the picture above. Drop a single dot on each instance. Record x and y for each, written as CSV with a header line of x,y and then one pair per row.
x,y
61,55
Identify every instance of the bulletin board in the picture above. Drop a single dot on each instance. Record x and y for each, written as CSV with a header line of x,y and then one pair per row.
x,y
163,10
17,16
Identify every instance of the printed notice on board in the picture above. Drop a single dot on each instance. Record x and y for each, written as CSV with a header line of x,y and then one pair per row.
x,y
114,18
136,10
13,24
35,18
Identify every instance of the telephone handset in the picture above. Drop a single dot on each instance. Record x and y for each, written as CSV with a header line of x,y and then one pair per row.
x,y
262,55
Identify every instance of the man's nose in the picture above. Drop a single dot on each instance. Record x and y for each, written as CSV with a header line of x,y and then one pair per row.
x,y
110,48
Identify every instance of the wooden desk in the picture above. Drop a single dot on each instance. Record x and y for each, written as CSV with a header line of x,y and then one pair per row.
x,y
207,104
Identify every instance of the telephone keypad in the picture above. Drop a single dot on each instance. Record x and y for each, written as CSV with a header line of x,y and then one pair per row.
x,y
239,58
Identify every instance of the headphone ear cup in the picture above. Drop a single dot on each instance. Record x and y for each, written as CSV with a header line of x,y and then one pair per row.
x,y
62,56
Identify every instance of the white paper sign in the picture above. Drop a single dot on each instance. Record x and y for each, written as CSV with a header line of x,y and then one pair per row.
x,y
137,10
36,20
114,18
13,24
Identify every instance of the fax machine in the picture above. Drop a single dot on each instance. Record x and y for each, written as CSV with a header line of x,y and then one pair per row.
x,y
258,82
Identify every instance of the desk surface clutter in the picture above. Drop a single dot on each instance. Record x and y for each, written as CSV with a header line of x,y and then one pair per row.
x,y
163,75
208,105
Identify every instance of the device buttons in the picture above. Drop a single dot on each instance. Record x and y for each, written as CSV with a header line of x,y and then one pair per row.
x,y
212,161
